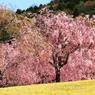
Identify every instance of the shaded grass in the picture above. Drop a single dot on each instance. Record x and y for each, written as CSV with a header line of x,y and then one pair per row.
x,y
64,88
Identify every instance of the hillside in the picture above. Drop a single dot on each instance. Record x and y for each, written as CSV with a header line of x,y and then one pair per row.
x,y
64,88
71,7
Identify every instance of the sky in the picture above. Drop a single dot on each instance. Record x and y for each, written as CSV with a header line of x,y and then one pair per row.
x,y
24,4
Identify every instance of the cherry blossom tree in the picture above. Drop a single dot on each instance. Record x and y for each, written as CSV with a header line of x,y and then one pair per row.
x,y
21,61
65,35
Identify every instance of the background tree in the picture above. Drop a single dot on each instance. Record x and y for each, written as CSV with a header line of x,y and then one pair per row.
x,y
36,9
31,9
19,11
52,8
76,1
76,12
61,6
40,6
71,5
56,1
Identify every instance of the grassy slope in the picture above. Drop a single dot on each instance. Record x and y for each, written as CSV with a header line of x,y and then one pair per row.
x,y
66,88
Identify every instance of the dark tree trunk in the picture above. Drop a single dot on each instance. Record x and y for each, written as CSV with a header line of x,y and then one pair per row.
x,y
57,75
1,75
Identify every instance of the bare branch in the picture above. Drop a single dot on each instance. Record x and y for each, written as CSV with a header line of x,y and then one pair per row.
x,y
52,64
64,62
75,49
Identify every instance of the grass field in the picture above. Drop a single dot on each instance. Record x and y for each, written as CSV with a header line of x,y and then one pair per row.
x,y
64,88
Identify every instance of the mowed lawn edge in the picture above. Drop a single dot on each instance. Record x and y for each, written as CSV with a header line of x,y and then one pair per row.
x,y
85,87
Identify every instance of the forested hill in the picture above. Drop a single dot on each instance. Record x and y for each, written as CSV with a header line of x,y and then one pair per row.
x,y
72,7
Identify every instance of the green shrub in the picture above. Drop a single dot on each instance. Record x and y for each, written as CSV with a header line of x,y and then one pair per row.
x,y
19,11
52,8
61,6
76,12
71,5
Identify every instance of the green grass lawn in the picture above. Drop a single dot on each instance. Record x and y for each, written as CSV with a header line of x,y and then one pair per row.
x,y
64,88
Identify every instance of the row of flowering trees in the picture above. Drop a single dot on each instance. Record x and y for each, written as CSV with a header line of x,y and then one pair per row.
x,y
58,48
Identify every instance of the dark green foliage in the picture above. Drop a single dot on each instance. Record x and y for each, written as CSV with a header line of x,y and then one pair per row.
x,y
19,11
76,1
51,2
93,12
80,7
40,6
5,36
61,1
76,12
71,5
10,42
52,8
56,1
75,7
66,1
61,6
31,9
36,9
85,0
23,11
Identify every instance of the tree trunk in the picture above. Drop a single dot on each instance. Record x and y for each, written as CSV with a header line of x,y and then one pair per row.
x,y
57,75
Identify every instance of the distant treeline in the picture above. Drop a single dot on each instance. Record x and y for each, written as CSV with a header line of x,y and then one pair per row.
x,y
72,7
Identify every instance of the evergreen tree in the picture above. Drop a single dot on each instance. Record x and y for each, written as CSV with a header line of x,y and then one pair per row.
x,y
61,6
71,5
76,12
19,11
52,8
31,9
